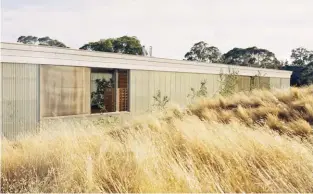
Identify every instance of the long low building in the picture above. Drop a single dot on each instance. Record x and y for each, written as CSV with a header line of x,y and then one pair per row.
x,y
39,82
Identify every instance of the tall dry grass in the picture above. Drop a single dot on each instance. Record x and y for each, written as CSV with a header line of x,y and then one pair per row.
x,y
215,146
287,112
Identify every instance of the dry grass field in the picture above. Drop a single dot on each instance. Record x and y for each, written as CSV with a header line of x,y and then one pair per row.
x,y
248,142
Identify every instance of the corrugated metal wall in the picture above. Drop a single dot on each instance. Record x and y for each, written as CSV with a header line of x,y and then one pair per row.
x,y
20,107
243,83
1,98
285,83
260,82
275,82
145,84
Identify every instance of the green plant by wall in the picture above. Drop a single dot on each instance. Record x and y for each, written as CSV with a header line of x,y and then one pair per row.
x,y
228,82
202,92
97,97
160,101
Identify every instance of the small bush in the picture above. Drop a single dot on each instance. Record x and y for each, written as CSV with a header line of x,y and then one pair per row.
x,y
160,101
228,82
202,92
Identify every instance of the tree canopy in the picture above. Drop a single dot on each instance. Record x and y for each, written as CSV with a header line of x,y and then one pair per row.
x,y
252,56
202,52
301,56
306,76
124,44
45,41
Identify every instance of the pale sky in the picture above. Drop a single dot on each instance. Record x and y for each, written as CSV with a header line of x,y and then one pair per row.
x,y
170,26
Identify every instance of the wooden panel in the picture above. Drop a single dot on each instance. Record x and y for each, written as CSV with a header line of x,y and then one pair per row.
x,y
123,99
122,91
122,79
64,90
109,98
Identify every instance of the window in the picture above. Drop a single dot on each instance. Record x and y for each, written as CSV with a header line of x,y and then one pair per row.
x,y
109,90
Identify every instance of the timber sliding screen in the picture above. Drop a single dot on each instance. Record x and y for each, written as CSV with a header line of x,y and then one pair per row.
x,y
123,90
64,90
67,90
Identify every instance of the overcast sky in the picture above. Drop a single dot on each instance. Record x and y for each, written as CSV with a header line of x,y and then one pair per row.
x,y
170,26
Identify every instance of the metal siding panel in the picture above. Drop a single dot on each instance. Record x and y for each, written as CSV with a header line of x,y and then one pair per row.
x,y
151,88
142,87
243,84
177,87
187,87
216,84
156,87
182,87
285,83
161,82
210,84
275,82
247,83
194,81
145,89
238,85
1,127
168,84
133,74
173,88
164,85
156,83
138,91
174,84
198,78
20,96
264,82
133,90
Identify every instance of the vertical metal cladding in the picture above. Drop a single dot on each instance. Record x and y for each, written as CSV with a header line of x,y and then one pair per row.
x,y
275,82
285,83
1,98
19,98
176,85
